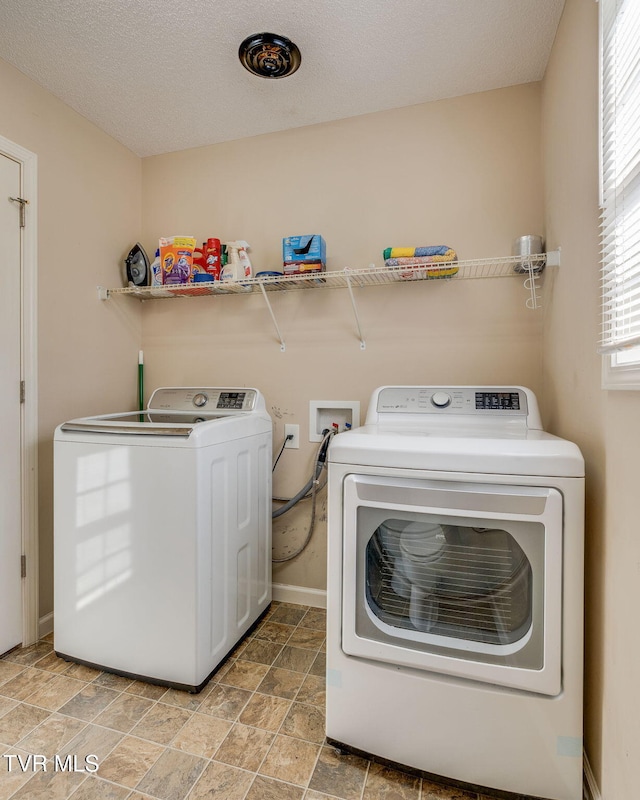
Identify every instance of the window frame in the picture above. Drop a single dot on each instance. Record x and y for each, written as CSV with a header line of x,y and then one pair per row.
x,y
614,375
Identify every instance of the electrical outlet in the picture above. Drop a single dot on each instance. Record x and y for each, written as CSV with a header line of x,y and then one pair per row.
x,y
292,430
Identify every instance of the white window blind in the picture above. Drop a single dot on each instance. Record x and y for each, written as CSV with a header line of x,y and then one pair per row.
x,y
620,174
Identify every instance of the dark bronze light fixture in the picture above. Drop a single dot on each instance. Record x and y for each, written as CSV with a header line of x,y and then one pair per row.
x,y
269,55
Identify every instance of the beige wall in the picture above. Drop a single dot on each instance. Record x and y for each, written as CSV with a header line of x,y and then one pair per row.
x,y
604,424
89,215
464,172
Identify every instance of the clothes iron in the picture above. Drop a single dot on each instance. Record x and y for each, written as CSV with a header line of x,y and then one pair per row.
x,y
137,266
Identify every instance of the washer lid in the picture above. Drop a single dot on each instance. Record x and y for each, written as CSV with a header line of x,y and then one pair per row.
x,y
481,450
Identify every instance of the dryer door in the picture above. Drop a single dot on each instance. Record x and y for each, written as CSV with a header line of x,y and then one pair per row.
x,y
462,579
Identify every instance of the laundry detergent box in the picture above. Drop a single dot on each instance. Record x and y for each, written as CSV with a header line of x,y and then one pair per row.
x,y
176,259
301,254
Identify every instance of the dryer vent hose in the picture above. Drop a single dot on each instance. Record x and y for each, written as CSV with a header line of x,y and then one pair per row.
x,y
310,489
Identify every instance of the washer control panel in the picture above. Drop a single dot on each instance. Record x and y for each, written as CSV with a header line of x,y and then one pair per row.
x,y
481,400
204,399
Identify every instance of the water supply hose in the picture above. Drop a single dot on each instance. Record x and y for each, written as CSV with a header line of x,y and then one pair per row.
x,y
313,486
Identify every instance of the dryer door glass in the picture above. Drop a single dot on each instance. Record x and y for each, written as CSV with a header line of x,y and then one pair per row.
x,y
458,581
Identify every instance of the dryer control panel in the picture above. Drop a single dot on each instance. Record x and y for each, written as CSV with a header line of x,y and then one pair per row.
x,y
502,401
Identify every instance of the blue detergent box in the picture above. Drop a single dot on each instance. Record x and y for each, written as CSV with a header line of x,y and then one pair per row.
x,y
304,254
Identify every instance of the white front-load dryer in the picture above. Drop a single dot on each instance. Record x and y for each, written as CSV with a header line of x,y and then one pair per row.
x,y
162,533
454,603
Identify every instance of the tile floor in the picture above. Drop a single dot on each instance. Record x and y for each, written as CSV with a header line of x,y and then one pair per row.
x,y
255,732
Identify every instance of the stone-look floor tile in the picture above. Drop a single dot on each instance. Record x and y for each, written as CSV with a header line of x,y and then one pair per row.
x,y
51,736
55,693
12,777
125,711
295,659
267,789
340,775
112,681
8,670
281,683
245,674
319,666
437,791
315,618
89,702
202,735
50,785
52,663
19,722
218,675
384,783
81,672
25,683
306,638
130,761
274,632
172,776
221,782
176,697
265,711
161,724
288,614
92,740
6,704
313,691
139,796
304,722
29,655
244,747
95,789
290,760
311,794
261,652
148,690
225,701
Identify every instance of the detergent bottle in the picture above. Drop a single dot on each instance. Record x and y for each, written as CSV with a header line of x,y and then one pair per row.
x,y
238,266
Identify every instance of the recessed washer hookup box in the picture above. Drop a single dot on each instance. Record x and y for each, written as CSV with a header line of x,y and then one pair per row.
x,y
304,254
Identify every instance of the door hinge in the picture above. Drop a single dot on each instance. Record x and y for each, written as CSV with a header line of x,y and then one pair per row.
x,y
22,391
23,566
23,203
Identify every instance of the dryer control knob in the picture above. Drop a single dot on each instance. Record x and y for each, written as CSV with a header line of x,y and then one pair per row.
x,y
440,399
200,400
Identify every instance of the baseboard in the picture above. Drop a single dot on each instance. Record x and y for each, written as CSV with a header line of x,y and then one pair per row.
x,y
589,785
284,593
45,625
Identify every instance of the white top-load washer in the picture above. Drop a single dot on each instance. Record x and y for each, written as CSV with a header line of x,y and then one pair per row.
x,y
162,533
454,603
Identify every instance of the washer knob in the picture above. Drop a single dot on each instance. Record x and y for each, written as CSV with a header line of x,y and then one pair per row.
x,y
440,399
200,400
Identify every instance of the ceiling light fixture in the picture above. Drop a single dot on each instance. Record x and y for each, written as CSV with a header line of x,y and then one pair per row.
x,y
269,55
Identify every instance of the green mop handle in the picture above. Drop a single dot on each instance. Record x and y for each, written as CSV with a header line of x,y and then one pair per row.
x,y
140,381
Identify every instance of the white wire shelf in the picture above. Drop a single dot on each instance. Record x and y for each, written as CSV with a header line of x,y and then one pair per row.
x,y
504,267
526,267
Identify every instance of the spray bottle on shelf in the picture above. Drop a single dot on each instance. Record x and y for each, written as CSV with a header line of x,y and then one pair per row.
x,y
238,266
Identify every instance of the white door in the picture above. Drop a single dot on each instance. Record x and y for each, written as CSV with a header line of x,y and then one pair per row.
x,y
10,415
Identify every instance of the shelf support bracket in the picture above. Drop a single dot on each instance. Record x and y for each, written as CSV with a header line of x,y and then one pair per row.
x,y
363,344
283,347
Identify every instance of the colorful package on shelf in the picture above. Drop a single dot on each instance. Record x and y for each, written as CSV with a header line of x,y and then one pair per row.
x,y
304,254
424,261
176,259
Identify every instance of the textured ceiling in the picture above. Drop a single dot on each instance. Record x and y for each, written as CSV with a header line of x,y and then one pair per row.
x,y
163,75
